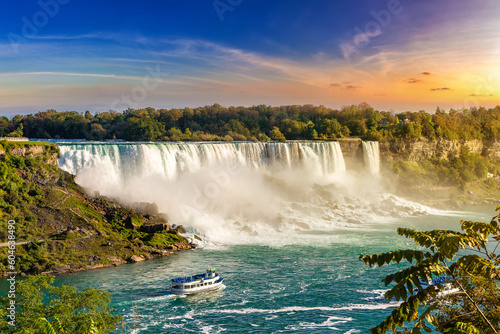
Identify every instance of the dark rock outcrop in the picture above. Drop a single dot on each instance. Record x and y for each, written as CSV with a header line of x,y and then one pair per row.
x,y
129,223
179,246
181,229
155,227
147,208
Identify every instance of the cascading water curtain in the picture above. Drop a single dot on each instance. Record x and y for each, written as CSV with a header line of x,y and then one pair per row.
x,y
371,155
171,159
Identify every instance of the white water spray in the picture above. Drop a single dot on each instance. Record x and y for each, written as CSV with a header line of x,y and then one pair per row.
x,y
232,192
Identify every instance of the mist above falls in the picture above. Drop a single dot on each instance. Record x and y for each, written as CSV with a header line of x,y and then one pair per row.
x,y
234,192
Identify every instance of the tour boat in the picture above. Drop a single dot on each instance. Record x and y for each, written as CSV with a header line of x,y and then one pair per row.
x,y
444,281
191,285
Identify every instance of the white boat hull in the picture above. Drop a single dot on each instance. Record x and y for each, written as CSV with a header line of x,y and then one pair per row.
x,y
194,291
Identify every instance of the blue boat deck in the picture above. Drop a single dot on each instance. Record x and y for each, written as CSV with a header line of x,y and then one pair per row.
x,y
190,279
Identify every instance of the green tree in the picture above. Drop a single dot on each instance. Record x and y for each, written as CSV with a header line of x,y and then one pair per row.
x,y
37,299
276,134
18,132
329,128
469,263
310,132
263,137
143,128
175,134
97,132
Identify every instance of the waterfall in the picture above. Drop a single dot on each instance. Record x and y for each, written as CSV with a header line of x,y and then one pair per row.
x,y
371,155
232,192
171,159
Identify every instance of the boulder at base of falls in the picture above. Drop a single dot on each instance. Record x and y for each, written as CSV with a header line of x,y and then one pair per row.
x,y
181,246
147,208
181,229
135,258
303,225
249,231
155,227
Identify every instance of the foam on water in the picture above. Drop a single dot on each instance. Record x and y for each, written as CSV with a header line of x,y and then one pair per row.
x,y
287,310
379,294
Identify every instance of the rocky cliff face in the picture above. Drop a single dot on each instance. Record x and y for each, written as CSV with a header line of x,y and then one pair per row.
x,y
45,152
390,152
352,149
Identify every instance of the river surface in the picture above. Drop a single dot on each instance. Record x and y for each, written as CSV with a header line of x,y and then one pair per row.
x,y
283,223
306,283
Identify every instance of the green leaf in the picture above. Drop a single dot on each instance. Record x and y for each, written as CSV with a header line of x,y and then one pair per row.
x,y
92,328
47,327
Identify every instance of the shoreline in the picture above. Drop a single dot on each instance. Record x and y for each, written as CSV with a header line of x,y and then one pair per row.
x,y
67,269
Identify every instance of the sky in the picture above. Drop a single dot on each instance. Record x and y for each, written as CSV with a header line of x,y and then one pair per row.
x,y
108,55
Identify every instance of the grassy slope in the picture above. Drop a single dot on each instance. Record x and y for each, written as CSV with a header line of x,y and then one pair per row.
x,y
78,231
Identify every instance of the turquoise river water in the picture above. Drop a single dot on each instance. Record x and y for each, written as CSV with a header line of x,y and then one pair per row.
x,y
313,283
284,223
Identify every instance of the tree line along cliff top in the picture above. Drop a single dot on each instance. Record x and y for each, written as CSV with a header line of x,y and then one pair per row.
x,y
257,123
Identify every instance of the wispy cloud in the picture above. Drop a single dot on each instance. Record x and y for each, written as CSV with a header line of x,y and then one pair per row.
x,y
90,75
347,85
440,89
413,80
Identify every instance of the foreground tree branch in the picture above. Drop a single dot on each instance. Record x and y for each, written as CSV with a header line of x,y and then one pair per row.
x,y
476,276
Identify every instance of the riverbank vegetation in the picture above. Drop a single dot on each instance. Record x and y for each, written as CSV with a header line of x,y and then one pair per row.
x,y
42,307
59,229
466,260
467,167
466,179
257,123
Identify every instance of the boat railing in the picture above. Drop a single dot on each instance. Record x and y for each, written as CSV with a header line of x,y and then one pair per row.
x,y
190,279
